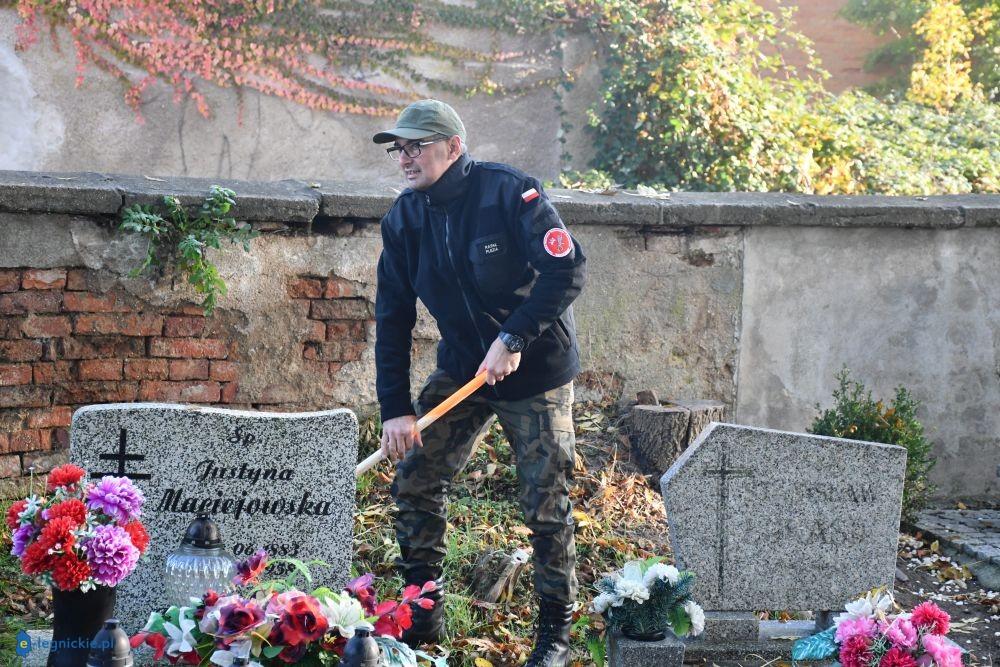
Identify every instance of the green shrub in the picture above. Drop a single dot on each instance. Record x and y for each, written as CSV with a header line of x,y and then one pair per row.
x,y
856,416
181,241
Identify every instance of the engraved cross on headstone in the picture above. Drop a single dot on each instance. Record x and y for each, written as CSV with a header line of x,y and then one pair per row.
x,y
724,473
122,458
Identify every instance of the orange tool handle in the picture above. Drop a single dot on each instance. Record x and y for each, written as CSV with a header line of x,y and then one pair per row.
x,y
447,404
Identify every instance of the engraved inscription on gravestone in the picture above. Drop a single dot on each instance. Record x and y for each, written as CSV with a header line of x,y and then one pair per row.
x,y
280,481
776,520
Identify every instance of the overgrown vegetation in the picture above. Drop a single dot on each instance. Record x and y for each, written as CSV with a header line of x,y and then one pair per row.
x,y
697,96
182,242
696,93
972,25
618,517
855,415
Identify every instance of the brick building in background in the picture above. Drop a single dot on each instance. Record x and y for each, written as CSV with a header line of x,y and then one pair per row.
x,y
841,46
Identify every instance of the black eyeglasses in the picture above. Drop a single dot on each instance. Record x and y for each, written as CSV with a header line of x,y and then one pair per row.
x,y
411,149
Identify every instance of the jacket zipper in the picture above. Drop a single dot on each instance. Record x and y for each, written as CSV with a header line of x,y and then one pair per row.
x,y
461,288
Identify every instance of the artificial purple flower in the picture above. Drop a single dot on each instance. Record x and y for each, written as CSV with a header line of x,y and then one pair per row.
x,y
117,497
111,554
248,571
21,537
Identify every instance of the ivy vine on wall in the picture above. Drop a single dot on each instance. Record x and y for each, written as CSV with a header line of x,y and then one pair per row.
x,y
330,55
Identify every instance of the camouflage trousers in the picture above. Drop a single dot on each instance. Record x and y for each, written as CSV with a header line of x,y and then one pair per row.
x,y
540,431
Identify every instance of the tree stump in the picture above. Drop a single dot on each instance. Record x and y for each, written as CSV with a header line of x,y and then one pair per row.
x,y
658,434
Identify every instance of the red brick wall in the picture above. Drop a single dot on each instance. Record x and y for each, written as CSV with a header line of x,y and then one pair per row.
x,y
66,340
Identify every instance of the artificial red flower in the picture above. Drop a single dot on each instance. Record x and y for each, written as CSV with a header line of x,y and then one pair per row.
x,y
154,640
363,590
237,620
67,476
189,658
249,570
334,643
12,513
208,600
897,657
137,531
930,618
72,508
412,593
293,654
68,571
856,651
302,621
55,535
36,559
393,619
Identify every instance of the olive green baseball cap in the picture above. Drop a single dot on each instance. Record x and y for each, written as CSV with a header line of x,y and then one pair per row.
x,y
422,119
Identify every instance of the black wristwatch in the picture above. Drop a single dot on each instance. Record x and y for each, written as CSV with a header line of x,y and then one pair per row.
x,y
512,342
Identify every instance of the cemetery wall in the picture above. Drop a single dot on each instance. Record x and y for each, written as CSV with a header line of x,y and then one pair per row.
x,y
755,300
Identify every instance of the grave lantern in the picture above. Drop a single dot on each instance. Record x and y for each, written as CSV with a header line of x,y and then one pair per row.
x,y
199,564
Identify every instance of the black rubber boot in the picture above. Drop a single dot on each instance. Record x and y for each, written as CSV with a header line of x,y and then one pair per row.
x,y
552,635
428,624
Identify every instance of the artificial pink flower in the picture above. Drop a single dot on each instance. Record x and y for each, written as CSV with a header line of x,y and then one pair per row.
x,y
900,632
944,651
850,627
930,618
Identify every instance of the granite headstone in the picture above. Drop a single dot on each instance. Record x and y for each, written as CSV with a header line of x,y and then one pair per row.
x,y
784,521
279,481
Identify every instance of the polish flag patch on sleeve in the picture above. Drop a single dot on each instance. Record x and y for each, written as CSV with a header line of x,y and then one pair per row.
x,y
529,195
557,242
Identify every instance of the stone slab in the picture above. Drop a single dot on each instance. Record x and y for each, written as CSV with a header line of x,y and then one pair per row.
x,y
730,626
56,192
625,652
774,642
354,199
281,481
280,201
784,521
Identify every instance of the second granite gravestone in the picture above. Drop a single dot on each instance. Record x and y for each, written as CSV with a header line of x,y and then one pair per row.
x,y
279,481
784,521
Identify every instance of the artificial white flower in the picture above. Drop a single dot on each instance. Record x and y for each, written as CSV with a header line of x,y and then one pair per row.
x,y
343,613
181,640
605,600
697,615
661,571
868,606
239,649
630,589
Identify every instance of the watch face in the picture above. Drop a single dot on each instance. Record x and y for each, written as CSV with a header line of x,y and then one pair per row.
x,y
512,342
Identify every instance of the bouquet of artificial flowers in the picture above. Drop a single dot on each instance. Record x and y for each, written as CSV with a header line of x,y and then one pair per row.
x,y
868,635
79,536
274,623
647,596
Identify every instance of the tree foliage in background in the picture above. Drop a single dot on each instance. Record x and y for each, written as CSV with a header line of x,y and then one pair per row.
x,y
856,416
696,94
697,97
899,18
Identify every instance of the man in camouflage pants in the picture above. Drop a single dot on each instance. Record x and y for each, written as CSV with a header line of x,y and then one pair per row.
x,y
481,246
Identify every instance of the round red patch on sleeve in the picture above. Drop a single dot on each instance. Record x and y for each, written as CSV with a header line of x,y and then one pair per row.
x,y
557,242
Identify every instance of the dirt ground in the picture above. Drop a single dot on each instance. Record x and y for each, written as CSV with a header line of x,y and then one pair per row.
x,y
974,611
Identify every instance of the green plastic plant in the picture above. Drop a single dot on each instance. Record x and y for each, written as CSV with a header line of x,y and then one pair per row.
x,y
183,241
857,416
